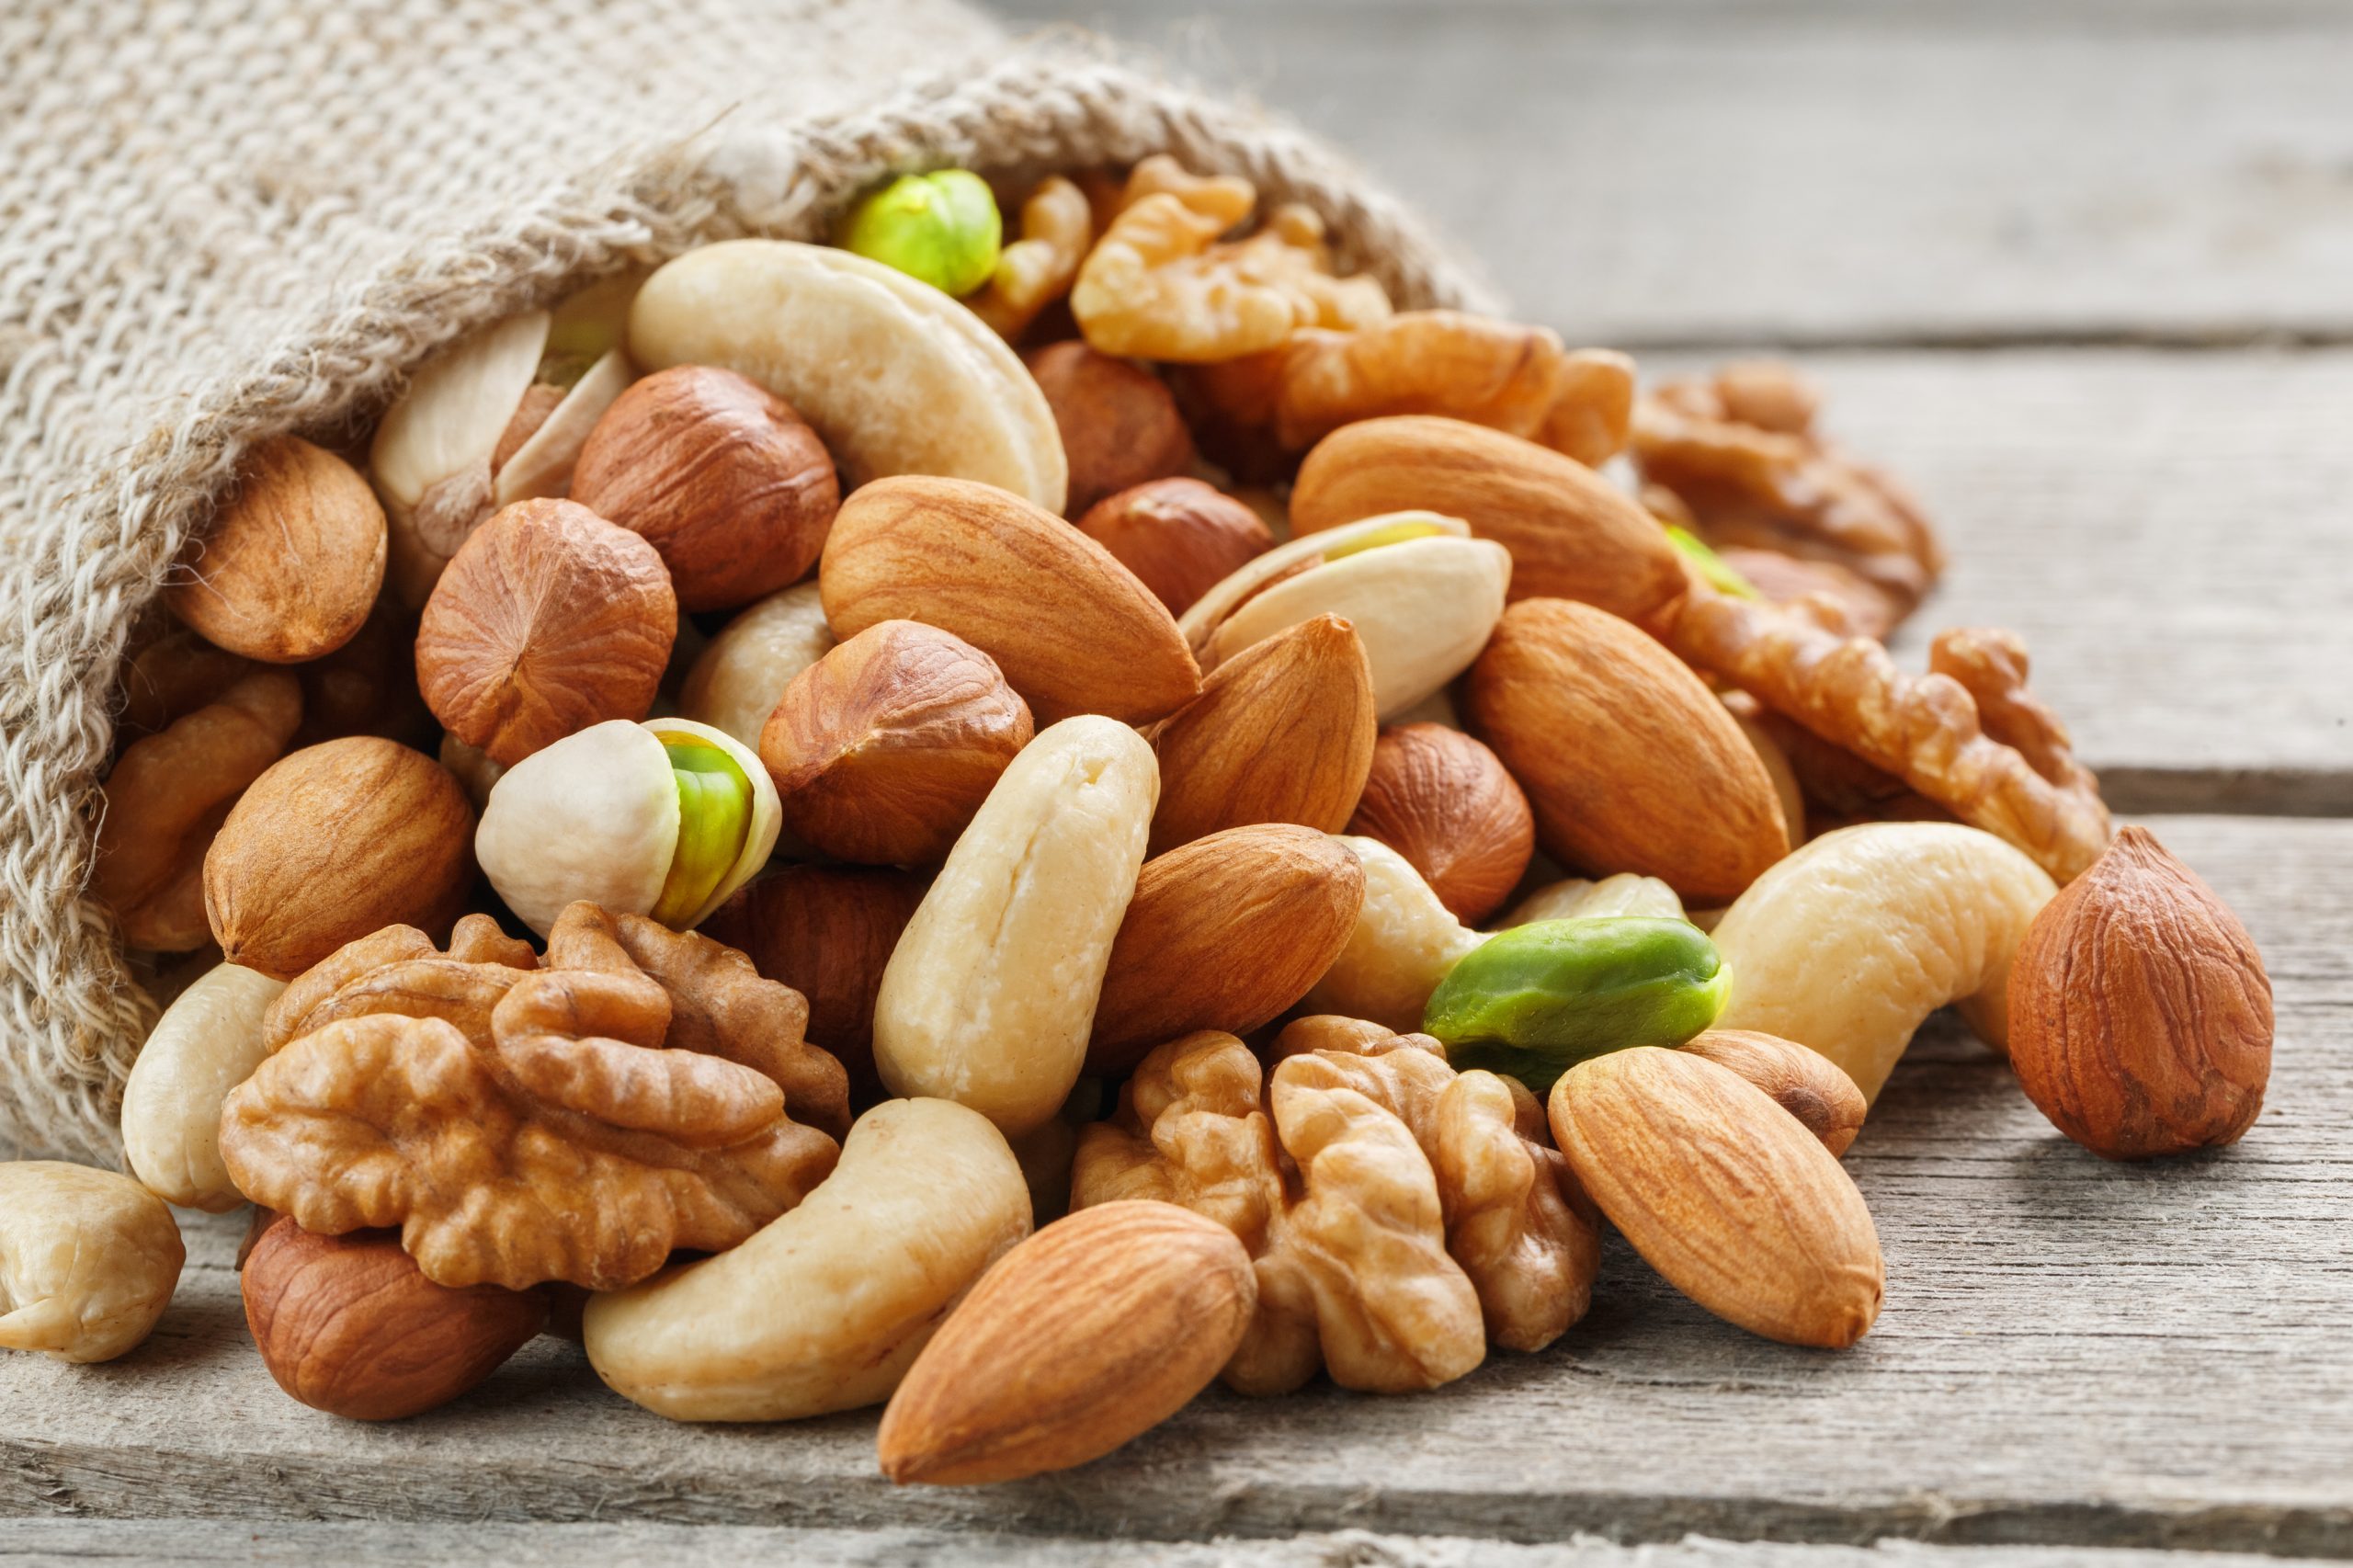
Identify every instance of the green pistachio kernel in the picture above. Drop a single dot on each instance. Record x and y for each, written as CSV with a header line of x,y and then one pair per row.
x,y
941,228
1721,577
714,820
1535,1001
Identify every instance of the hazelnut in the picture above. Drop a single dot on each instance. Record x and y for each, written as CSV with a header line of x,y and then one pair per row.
x,y
1446,804
2140,1012
883,749
1120,425
350,1325
719,475
548,620
331,844
1179,537
827,931
292,563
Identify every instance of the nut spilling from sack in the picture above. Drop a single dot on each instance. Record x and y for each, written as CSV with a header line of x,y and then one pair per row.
x,y
779,778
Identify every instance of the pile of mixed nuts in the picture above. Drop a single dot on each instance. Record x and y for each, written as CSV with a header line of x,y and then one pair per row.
x,y
789,771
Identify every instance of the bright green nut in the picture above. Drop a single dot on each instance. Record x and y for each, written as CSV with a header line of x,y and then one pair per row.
x,y
1720,575
1533,1002
714,819
941,228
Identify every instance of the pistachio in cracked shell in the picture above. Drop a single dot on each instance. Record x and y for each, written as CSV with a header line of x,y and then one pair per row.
x,y
665,818
1422,593
938,391
496,417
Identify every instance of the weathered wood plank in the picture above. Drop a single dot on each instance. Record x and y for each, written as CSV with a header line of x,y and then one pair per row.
x,y
120,1543
2072,1352
2173,533
1811,171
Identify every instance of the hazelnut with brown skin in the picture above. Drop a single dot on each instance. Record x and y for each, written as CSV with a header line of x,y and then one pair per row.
x,y
548,620
883,749
827,931
1445,803
719,475
350,1325
1180,536
2140,1012
1120,425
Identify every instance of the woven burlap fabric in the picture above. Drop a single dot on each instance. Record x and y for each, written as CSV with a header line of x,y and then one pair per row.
x,y
221,219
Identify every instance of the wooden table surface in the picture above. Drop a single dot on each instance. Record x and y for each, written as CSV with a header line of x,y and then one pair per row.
x,y
2085,273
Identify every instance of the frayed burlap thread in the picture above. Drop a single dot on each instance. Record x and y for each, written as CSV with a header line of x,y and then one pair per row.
x,y
222,220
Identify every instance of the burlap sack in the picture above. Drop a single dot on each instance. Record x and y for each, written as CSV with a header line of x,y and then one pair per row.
x,y
221,219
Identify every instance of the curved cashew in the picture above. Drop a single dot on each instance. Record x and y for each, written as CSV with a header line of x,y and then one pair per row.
x,y
825,1308
1846,945
989,997
207,1043
1403,943
89,1260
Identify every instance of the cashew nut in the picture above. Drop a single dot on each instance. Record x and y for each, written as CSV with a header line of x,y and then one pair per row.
x,y
990,995
1846,945
89,1260
1576,897
736,680
207,1043
825,1308
1404,942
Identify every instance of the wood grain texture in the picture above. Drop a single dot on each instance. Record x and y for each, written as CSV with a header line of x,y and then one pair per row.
x,y
2072,1352
120,1544
1831,170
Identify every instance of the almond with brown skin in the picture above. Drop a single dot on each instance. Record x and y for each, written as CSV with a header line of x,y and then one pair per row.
x,y
1723,1193
1223,934
1799,1079
826,931
333,843
1630,762
291,564
1282,732
883,749
1180,536
1120,425
1073,629
350,1325
2140,1011
1571,534
1445,803
1089,1334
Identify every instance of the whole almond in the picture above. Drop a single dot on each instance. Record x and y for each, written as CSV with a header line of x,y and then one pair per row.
x,y
1723,1192
1282,732
2140,1011
1571,534
291,564
1798,1078
1090,1332
1224,933
350,1325
1630,764
883,749
333,843
1072,629
1447,804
